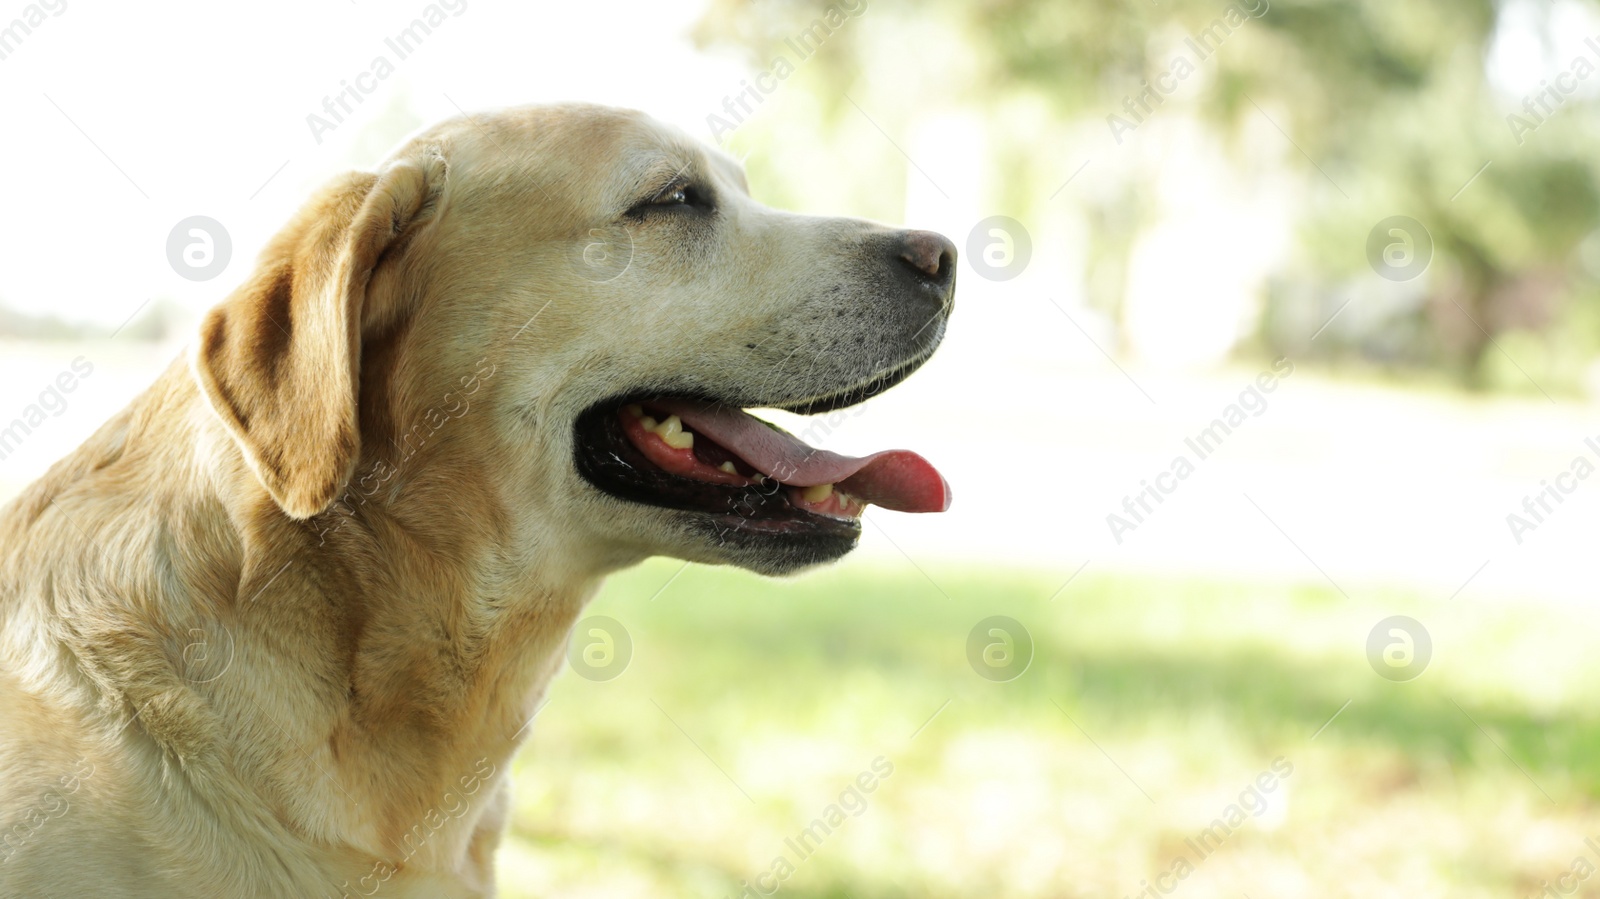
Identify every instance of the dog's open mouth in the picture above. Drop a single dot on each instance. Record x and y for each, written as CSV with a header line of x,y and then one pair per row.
x,y
708,457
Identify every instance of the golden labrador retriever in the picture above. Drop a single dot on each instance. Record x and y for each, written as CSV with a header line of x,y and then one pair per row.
x,y
278,627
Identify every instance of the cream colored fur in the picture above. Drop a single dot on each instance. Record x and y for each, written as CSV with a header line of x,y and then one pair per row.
x,y
277,628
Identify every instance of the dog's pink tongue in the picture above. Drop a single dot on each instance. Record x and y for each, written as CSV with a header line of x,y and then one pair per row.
x,y
894,479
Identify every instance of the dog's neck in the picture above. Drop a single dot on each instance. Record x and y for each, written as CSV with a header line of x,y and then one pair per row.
x,y
448,628
389,654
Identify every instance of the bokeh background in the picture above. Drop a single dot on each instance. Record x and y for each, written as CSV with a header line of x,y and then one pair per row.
x,y
1348,653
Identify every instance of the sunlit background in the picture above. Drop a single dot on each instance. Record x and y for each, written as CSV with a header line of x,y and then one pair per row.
x,y
1126,634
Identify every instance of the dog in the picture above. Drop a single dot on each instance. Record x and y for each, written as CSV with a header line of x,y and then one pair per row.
x,y
278,627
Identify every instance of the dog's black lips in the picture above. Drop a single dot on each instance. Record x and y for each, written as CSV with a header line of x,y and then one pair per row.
x,y
606,458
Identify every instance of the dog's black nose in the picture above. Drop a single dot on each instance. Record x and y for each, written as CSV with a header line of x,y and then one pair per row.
x,y
931,256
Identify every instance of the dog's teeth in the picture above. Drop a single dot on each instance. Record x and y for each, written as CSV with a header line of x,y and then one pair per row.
x,y
674,435
817,494
728,467
634,409
648,422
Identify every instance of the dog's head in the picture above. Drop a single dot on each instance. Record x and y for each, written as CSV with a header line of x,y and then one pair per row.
x,y
566,309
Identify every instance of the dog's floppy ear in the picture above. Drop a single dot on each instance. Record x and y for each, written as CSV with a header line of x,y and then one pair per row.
x,y
280,359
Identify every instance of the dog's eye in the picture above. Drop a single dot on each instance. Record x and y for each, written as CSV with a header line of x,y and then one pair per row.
x,y
684,197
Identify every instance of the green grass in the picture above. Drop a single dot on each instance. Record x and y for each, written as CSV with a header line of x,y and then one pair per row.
x,y
1150,705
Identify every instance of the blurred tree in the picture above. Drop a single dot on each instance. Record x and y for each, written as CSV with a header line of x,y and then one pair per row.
x,y
1389,103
